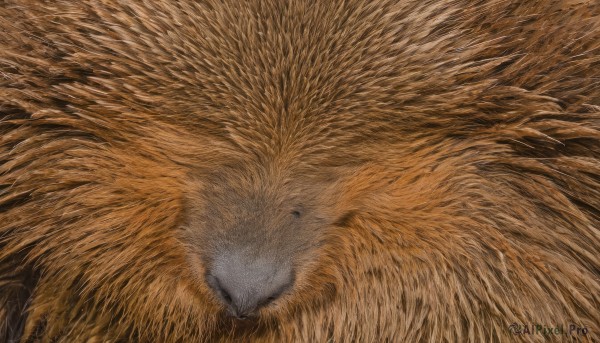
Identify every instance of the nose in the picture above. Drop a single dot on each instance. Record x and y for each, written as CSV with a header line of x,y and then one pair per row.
x,y
247,284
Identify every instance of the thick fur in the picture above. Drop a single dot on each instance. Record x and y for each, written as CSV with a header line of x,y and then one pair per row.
x,y
447,154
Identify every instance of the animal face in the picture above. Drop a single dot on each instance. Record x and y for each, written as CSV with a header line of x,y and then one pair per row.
x,y
298,171
254,232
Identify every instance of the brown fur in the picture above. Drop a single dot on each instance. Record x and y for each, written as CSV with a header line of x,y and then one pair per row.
x,y
447,154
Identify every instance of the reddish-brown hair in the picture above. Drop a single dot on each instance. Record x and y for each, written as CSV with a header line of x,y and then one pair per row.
x,y
449,152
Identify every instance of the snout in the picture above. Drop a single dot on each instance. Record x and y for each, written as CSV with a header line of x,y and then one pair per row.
x,y
246,283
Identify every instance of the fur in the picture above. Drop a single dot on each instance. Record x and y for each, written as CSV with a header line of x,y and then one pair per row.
x,y
446,154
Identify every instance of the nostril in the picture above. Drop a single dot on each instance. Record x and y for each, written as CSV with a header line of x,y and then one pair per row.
x,y
274,296
219,289
226,296
267,301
